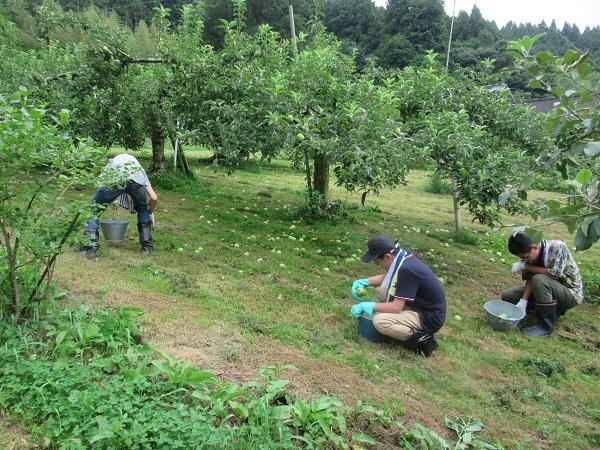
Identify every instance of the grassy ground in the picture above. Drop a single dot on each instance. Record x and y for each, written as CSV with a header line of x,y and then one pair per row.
x,y
237,282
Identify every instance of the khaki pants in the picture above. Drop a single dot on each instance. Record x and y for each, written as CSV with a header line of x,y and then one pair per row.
x,y
400,325
545,290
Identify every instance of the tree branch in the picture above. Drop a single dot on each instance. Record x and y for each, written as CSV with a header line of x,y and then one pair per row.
x,y
55,255
12,260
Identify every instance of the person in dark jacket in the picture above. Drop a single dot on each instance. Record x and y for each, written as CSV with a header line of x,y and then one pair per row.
x,y
412,303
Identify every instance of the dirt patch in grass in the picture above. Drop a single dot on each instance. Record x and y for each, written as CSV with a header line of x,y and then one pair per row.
x,y
233,357
13,437
222,349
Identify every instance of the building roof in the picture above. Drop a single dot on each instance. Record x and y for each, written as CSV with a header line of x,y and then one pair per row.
x,y
547,104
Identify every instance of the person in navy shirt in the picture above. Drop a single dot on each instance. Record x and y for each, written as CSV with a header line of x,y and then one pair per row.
x,y
412,304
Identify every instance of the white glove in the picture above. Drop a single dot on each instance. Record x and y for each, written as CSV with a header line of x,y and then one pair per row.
x,y
152,219
518,267
522,305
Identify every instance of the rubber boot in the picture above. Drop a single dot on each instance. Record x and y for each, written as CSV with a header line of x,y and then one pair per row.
x,y
421,343
546,317
90,251
145,232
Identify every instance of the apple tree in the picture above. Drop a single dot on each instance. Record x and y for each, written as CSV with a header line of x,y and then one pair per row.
x,y
575,127
481,139
334,119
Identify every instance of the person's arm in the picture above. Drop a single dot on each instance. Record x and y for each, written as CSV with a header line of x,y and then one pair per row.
x,y
537,269
394,306
153,198
376,280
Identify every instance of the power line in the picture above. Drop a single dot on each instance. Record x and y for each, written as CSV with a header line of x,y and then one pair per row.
x,y
574,46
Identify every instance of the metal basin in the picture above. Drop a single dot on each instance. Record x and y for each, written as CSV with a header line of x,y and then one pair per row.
x,y
114,229
511,315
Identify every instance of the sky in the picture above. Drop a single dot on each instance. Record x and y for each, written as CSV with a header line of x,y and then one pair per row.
x,y
582,12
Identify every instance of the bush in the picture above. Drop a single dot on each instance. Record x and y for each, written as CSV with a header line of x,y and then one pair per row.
x,y
467,237
119,393
332,212
172,181
39,163
591,283
438,185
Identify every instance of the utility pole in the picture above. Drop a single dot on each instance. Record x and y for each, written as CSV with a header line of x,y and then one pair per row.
x,y
455,191
293,31
450,37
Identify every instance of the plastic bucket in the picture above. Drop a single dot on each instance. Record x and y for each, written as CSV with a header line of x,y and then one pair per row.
x,y
114,229
368,330
495,308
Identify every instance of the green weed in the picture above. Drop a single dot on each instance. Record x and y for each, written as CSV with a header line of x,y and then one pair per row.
x,y
438,185
121,394
544,367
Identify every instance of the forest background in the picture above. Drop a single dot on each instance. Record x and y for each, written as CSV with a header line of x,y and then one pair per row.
x,y
398,34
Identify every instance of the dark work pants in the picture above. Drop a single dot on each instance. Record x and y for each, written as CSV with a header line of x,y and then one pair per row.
x,y
105,196
545,290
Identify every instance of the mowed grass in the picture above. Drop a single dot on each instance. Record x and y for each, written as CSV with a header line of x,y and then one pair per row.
x,y
232,251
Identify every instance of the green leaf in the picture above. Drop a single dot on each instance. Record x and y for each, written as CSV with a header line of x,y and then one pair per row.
x,y
596,226
282,412
584,176
545,58
552,204
239,409
60,337
586,97
473,427
570,92
535,84
584,69
200,395
364,438
591,149
104,434
582,242
570,57
535,234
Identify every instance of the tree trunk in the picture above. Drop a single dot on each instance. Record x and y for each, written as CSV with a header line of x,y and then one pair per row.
x,y
181,158
11,256
308,177
321,177
158,148
457,219
184,162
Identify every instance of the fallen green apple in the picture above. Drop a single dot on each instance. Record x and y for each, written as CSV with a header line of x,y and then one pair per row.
x,y
503,316
457,317
361,291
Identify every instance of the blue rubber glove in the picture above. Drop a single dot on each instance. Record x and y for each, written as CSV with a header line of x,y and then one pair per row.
x,y
367,308
362,283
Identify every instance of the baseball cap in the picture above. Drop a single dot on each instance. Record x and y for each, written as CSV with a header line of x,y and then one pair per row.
x,y
377,246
